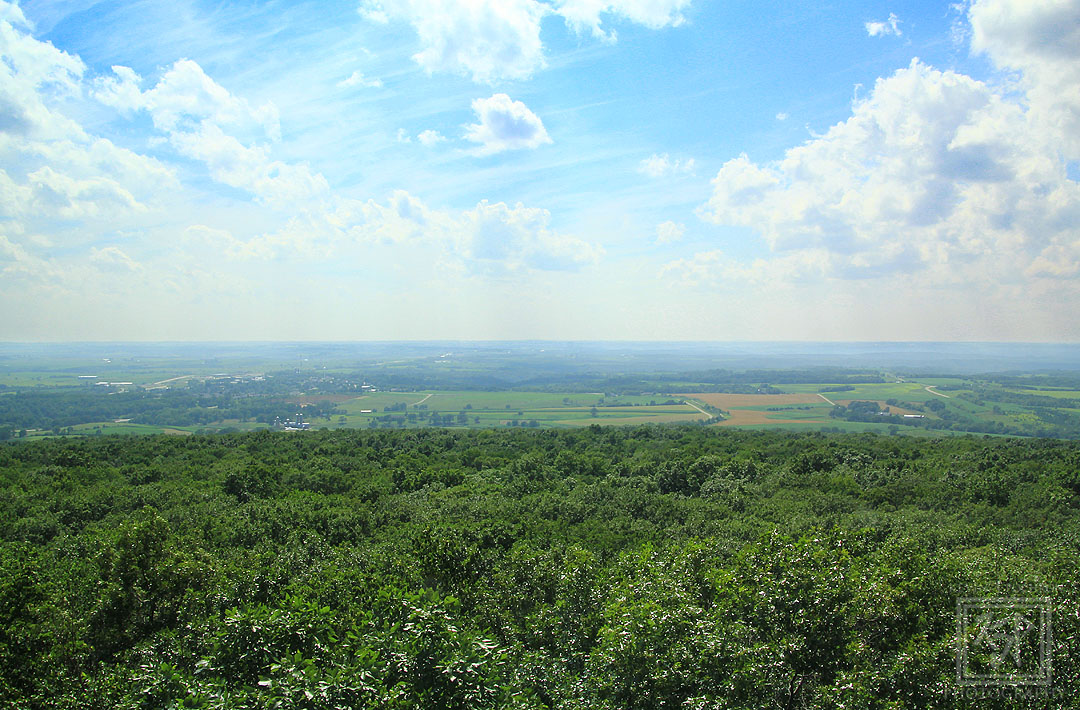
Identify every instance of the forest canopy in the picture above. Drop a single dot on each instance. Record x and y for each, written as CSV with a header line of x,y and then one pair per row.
x,y
648,567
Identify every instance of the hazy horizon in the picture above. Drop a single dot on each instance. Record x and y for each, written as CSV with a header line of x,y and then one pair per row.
x,y
520,357
555,170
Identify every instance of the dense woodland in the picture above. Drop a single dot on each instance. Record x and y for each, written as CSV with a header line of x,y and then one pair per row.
x,y
654,567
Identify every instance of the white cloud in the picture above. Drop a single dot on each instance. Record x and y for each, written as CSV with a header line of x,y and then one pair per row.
x,y
194,111
430,138
669,232
658,165
655,14
61,195
113,258
491,239
372,11
402,136
33,76
1042,41
13,15
17,262
496,40
890,26
357,78
120,91
220,242
1061,260
85,222
186,98
714,268
505,125
498,236
57,179
488,40
934,172
782,116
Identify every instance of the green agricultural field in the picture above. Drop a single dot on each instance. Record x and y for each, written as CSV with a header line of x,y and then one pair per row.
x,y
1047,392
497,409
905,391
943,381
118,428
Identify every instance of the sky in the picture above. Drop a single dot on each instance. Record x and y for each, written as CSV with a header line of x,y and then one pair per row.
x,y
540,169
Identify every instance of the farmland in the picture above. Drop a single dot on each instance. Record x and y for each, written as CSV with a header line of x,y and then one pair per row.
x,y
131,389
487,409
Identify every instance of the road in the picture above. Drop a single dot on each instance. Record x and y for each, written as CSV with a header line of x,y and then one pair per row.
x,y
697,408
927,388
827,399
416,404
162,383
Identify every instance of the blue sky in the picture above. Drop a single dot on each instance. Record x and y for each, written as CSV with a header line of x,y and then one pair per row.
x,y
557,169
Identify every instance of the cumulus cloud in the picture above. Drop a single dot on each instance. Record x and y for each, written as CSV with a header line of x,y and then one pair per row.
x,y
496,40
491,239
668,232
1041,40
86,194
890,26
1060,261
657,166
217,242
655,14
429,138
113,258
33,75
185,98
372,11
206,122
515,238
715,268
13,15
488,40
357,79
61,195
17,262
51,168
934,172
505,124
